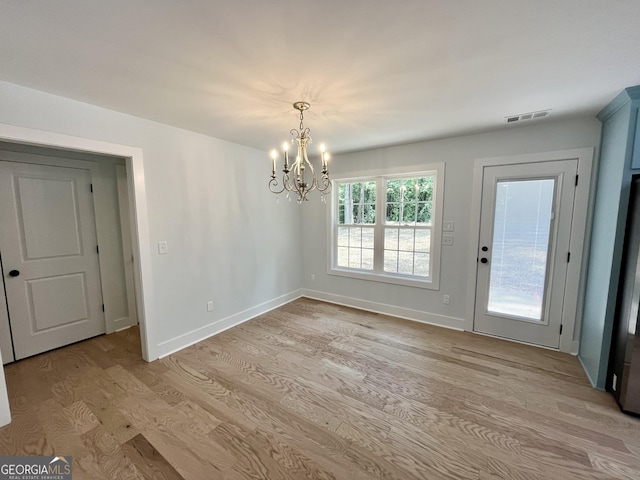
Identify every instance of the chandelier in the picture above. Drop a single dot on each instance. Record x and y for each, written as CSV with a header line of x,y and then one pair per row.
x,y
293,177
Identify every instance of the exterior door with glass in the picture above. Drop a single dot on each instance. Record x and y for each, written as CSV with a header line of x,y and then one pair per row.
x,y
523,253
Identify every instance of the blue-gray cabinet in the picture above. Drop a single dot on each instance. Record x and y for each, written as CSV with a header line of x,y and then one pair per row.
x,y
619,160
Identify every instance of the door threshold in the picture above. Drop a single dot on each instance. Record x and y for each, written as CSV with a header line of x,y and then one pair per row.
x,y
557,349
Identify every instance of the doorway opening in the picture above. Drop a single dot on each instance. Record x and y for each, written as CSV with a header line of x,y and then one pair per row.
x,y
24,138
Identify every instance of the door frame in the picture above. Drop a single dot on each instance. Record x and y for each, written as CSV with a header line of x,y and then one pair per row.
x,y
127,250
138,212
574,283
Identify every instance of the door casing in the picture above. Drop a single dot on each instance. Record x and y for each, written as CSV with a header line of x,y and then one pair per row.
x,y
140,235
574,285
546,331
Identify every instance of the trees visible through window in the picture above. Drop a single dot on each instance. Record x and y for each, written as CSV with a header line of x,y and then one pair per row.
x,y
385,226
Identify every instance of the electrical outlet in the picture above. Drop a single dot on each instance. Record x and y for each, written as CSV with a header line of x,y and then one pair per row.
x,y
446,299
209,306
614,384
447,240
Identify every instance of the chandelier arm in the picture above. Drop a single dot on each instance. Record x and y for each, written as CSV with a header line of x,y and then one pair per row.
x,y
273,184
301,192
287,184
326,182
314,182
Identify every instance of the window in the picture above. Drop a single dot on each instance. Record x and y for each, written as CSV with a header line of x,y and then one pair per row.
x,y
387,228
356,223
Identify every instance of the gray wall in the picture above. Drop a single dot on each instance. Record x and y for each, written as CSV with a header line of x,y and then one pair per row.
x,y
458,154
208,198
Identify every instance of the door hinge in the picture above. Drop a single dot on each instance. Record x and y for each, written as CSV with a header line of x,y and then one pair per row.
x,y
91,187
577,180
568,257
103,307
560,329
97,249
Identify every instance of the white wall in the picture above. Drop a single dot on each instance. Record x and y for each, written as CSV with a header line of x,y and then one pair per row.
x,y
458,154
227,237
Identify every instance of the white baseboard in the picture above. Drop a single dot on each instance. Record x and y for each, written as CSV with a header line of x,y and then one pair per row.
x,y
575,347
195,336
392,310
121,324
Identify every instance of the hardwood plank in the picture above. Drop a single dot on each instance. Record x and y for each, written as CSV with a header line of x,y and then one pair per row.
x,y
81,416
109,456
148,460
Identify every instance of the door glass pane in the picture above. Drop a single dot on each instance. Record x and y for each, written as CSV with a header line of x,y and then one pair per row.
x,y
521,231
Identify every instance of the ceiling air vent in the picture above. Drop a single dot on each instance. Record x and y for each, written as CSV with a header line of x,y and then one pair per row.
x,y
527,116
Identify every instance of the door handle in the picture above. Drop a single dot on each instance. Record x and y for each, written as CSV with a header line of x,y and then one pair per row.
x,y
484,260
14,273
484,249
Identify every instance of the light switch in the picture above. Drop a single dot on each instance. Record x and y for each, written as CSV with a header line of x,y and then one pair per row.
x,y
163,248
448,226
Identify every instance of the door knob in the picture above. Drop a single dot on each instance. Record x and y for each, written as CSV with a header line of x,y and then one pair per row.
x,y
484,260
14,273
484,249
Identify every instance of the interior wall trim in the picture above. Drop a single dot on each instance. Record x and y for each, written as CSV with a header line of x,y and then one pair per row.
x,y
186,340
391,310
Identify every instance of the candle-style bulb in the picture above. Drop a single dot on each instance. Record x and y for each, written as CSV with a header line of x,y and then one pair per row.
x,y
322,147
274,155
285,146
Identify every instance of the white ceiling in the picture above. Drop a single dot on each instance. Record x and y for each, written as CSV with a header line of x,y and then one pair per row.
x,y
376,72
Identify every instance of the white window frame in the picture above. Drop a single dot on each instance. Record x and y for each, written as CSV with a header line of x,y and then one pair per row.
x,y
378,275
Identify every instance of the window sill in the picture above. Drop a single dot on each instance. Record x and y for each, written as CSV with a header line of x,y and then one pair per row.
x,y
427,284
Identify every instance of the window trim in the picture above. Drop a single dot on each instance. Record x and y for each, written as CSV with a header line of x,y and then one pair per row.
x,y
431,283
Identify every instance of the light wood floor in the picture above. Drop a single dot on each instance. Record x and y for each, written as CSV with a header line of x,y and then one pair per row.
x,y
318,391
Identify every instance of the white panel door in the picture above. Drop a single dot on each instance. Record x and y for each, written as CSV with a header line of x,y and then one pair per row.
x,y
49,257
525,232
